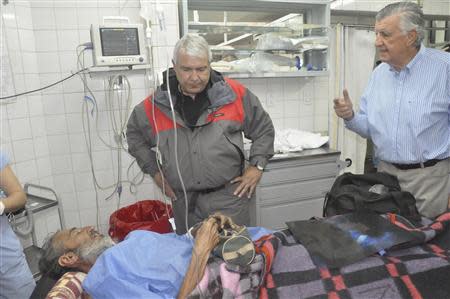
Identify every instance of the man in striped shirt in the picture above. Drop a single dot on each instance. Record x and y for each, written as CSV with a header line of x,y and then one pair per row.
x,y
405,108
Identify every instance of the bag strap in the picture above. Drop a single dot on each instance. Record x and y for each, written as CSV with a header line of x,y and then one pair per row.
x,y
325,204
408,210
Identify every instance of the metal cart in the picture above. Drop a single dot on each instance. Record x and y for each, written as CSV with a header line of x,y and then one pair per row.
x,y
25,217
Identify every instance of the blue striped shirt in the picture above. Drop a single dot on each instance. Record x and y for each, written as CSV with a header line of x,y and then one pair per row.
x,y
406,113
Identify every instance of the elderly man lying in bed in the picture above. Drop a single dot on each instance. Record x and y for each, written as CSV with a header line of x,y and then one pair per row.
x,y
144,265
354,256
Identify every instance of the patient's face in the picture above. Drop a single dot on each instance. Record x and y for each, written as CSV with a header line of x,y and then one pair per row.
x,y
73,238
86,242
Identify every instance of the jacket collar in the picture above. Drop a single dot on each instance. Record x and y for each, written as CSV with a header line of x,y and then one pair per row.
x,y
219,92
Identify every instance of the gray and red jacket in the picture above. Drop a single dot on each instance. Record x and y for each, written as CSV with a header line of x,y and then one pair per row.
x,y
210,155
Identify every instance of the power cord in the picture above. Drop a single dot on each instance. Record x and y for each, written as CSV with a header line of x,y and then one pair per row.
x,y
45,87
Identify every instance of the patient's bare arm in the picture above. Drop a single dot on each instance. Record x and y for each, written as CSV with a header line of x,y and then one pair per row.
x,y
207,237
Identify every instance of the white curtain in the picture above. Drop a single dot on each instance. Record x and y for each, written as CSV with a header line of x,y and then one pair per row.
x,y
352,60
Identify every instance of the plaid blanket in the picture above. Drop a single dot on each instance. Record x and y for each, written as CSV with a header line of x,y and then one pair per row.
x,y
283,268
420,271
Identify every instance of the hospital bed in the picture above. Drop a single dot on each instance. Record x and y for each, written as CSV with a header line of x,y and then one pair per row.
x,y
283,268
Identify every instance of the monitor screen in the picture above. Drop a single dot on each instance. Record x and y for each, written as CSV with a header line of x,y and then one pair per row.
x,y
119,41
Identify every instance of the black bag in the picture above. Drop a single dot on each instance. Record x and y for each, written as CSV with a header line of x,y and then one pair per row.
x,y
378,192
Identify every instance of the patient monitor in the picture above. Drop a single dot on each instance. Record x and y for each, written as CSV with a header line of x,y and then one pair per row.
x,y
116,44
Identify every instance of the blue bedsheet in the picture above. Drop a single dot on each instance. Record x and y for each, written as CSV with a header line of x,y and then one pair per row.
x,y
144,265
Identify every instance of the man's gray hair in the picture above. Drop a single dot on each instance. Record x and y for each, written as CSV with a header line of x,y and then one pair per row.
x,y
51,251
192,45
411,18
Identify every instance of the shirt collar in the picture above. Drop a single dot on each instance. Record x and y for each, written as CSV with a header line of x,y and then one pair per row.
x,y
413,61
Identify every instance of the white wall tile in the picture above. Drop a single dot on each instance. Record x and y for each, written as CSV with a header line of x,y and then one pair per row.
x,y
55,124
65,4
23,150
19,83
23,16
26,171
80,162
132,13
48,79
35,105
46,41
170,12
67,40
58,144
102,160
53,221
41,146
68,199
164,38
307,123
64,184
68,61
278,123
22,129
107,12
19,109
53,104
108,3
306,107
87,16
8,15
83,181
291,108
321,123
77,143
5,133
65,17
45,181
106,178
30,62
42,4
16,62
74,123
32,81
44,166
88,217
86,197
291,123
43,17
84,35
38,126
12,39
48,62
61,164
72,85
321,107
26,39
72,219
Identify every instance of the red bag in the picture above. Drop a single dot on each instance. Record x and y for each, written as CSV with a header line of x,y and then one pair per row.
x,y
146,215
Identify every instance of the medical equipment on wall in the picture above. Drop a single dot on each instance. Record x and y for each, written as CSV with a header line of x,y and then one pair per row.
x,y
117,44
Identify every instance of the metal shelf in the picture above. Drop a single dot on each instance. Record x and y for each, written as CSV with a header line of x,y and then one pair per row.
x,y
275,74
220,28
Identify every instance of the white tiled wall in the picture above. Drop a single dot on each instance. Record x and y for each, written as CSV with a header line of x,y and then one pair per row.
x,y
43,132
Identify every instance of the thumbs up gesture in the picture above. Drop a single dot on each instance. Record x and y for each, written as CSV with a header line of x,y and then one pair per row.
x,y
343,106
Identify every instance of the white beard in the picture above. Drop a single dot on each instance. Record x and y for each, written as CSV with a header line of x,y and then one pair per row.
x,y
91,252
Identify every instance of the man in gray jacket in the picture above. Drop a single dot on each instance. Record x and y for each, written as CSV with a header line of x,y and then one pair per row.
x,y
188,137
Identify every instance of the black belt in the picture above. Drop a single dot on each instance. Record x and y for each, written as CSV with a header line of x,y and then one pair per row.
x,y
209,190
428,163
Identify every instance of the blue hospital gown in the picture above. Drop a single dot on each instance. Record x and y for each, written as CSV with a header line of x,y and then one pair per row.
x,y
16,280
144,265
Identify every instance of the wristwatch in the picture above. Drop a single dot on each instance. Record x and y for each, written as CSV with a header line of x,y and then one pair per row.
x,y
259,167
